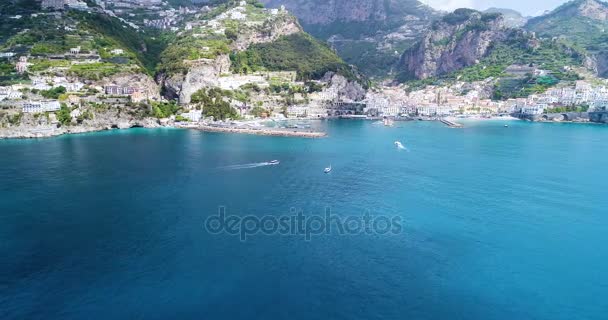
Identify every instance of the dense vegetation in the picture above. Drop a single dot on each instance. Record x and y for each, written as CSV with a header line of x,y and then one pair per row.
x,y
301,52
162,110
147,47
552,56
54,93
63,115
568,24
213,104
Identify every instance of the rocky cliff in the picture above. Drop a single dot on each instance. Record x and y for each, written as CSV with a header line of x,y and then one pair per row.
x,y
204,52
582,23
577,20
456,41
366,33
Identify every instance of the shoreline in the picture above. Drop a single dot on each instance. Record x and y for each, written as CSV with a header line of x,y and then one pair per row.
x,y
51,131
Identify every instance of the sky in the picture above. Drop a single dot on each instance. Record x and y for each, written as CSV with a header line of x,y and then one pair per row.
x,y
526,7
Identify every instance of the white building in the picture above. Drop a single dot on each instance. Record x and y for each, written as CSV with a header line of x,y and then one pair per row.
x,y
117,52
41,106
193,115
22,65
534,109
7,93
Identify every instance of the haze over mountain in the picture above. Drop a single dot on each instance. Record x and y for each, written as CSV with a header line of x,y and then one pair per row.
x,y
526,7
368,33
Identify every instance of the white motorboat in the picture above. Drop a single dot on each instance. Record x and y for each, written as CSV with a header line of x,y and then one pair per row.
x,y
328,169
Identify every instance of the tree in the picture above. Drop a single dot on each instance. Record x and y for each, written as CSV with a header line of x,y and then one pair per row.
x,y
213,104
63,115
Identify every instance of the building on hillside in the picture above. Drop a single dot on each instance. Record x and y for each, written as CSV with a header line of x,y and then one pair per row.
x,y
534,109
22,65
118,90
8,93
77,5
41,106
193,115
7,54
117,52
75,50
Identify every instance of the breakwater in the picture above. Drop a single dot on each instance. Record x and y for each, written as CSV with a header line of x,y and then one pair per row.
x,y
259,131
451,124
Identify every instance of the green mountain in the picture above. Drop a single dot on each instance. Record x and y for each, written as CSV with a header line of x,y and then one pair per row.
x,y
468,45
581,22
367,33
46,38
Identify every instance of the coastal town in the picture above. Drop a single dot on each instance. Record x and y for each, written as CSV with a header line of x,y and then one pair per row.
x,y
97,72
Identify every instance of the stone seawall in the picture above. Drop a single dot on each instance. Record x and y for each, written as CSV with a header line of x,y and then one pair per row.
x,y
261,131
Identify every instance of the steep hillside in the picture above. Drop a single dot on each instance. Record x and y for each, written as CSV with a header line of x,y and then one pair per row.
x,y
456,41
470,46
579,23
88,46
583,22
243,39
366,33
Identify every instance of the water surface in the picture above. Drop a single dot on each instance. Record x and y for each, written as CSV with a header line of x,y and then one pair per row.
x,y
499,223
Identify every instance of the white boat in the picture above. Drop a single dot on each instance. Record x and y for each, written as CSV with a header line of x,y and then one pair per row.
x,y
399,145
274,162
328,169
506,125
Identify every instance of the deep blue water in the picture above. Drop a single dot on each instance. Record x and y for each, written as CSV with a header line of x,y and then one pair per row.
x,y
499,223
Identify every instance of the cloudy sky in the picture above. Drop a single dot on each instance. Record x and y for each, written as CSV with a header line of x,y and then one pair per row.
x,y
527,7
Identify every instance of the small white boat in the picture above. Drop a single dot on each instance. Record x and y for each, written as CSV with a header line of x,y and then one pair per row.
x,y
274,162
506,125
328,169
399,145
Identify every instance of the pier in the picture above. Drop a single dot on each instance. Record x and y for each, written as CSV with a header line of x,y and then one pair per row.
x,y
450,123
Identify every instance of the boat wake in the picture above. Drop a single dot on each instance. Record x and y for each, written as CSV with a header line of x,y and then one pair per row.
x,y
400,146
248,165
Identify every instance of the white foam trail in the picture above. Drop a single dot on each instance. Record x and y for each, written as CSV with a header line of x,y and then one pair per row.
x,y
400,146
246,166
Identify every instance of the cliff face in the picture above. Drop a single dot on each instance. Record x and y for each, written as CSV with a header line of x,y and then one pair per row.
x,y
582,22
592,9
254,26
576,19
201,74
365,33
459,40
269,31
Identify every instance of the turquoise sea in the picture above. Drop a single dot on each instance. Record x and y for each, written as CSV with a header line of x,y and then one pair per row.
x,y
498,223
